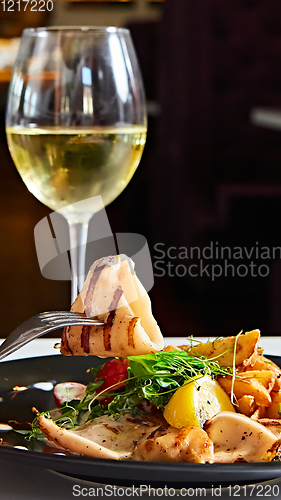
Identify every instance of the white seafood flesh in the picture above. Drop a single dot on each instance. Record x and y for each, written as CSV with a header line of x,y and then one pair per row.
x,y
189,444
101,437
239,438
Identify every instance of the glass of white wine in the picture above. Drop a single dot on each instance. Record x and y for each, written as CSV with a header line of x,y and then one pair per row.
x,y
76,123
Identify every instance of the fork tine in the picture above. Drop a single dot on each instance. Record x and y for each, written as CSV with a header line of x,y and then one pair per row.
x,y
66,317
75,321
60,314
72,317
60,318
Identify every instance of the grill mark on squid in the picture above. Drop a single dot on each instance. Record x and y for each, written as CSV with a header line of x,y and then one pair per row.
x,y
64,341
131,327
112,429
110,320
85,338
93,282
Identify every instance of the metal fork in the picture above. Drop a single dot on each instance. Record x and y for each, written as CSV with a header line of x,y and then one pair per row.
x,y
39,325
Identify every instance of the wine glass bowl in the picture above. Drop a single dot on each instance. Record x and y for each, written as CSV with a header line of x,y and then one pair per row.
x,y
76,122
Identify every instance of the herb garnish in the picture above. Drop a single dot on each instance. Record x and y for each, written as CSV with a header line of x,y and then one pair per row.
x,y
151,377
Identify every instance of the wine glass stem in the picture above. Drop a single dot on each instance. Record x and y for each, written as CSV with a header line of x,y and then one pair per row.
x,y
78,233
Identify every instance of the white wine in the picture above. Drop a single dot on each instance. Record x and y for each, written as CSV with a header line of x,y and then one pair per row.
x,y
61,166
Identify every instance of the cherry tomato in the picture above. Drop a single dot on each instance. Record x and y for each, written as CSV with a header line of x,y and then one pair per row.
x,y
113,371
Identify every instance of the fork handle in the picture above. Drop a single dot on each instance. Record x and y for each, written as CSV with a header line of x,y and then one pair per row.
x,y
13,342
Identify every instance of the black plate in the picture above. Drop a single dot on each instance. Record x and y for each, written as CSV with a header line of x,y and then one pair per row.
x,y
27,372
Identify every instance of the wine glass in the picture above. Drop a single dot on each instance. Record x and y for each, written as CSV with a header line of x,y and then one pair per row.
x,y
76,123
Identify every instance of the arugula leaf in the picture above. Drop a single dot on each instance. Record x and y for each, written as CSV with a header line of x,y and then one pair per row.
x,y
142,366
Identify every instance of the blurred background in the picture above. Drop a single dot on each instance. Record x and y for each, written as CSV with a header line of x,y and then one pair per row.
x,y
210,176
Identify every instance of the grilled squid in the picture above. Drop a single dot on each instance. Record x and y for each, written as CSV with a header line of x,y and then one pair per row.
x,y
102,437
113,293
238,438
188,444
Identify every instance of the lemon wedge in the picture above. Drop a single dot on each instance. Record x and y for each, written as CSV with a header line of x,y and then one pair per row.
x,y
195,402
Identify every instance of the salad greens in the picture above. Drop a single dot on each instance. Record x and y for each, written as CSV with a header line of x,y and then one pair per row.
x,y
151,377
